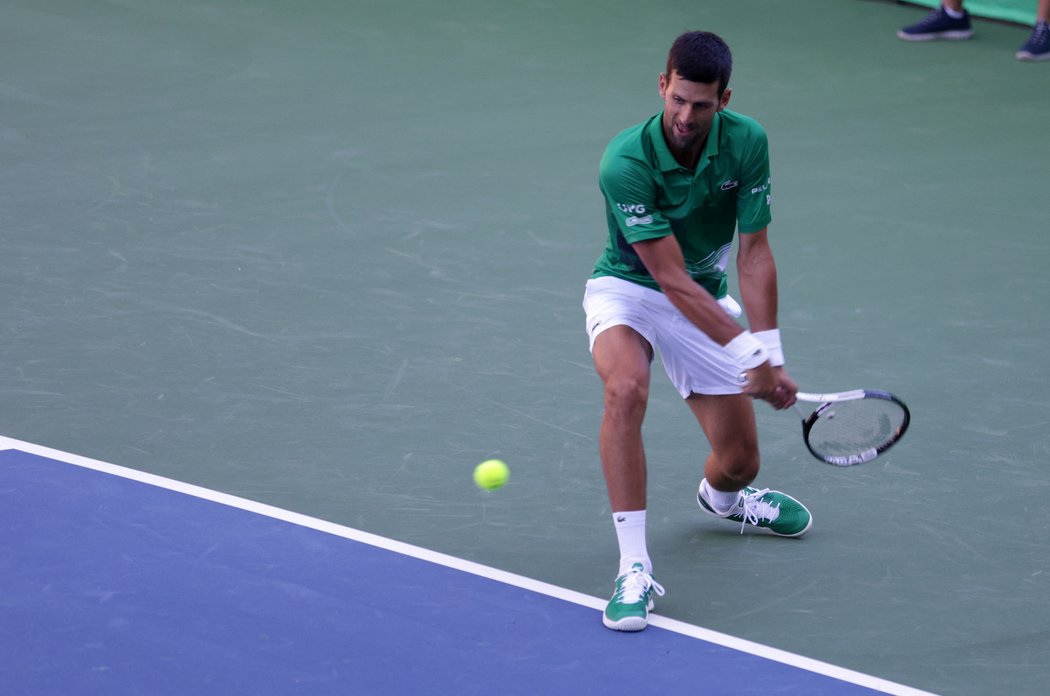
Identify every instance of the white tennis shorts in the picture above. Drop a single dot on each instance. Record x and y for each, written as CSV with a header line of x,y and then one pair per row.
x,y
694,363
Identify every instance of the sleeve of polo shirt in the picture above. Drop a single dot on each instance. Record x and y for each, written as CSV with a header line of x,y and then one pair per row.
x,y
630,192
754,197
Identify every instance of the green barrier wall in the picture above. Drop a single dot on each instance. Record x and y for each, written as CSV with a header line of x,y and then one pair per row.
x,y
1022,11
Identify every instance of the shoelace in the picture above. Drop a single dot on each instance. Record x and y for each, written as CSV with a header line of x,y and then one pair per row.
x,y
932,18
928,20
756,509
635,585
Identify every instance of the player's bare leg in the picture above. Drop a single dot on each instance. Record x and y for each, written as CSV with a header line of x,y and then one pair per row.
x,y
728,421
622,358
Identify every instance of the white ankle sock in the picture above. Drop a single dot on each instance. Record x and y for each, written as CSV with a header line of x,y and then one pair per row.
x,y
630,534
954,14
721,501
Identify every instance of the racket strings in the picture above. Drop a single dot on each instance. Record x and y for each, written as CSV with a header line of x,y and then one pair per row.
x,y
854,427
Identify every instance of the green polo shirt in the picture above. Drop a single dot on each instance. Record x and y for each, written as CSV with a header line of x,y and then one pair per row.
x,y
649,195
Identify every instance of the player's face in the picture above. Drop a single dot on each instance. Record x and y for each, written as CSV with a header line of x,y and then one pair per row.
x,y
689,111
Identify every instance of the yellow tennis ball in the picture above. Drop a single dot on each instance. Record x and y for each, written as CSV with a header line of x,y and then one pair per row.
x,y
491,474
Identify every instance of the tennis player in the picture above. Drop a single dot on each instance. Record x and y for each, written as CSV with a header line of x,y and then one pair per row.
x,y
677,187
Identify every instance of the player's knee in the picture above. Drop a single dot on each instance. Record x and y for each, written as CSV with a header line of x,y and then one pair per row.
x,y
626,395
740,465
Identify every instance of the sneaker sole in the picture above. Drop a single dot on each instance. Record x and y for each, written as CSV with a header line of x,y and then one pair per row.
x,y
1032,57
752,529
946,35
629,625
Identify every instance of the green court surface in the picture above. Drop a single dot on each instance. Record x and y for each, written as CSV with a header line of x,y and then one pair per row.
x,y
330,255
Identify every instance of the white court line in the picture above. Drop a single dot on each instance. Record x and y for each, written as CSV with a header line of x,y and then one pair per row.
x,y
562,593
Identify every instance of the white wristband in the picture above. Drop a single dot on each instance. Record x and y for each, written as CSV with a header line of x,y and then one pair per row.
x,y
771,340
747,351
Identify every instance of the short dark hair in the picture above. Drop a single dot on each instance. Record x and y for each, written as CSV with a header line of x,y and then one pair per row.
x,y
700,56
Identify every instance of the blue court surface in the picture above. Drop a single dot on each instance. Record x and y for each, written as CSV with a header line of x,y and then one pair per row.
x,y
120,582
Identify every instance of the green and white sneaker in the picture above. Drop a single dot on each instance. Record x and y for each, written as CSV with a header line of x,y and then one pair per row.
x,y
767,511
629,608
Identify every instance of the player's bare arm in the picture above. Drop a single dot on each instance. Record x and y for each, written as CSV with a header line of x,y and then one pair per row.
x,y
757,274
663,257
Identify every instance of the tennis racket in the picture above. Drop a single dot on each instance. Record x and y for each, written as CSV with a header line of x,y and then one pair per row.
x,y
852,427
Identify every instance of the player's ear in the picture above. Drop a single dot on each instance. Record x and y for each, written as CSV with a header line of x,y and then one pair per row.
x,y
724,99
663,86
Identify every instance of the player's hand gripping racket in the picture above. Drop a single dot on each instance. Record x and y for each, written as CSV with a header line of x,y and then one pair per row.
x,y
852,427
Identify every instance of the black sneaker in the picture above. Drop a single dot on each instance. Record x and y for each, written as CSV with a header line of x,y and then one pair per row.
x,y
1037,47
938,25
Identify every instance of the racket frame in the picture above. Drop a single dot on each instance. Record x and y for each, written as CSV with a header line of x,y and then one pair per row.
x,y
828,400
